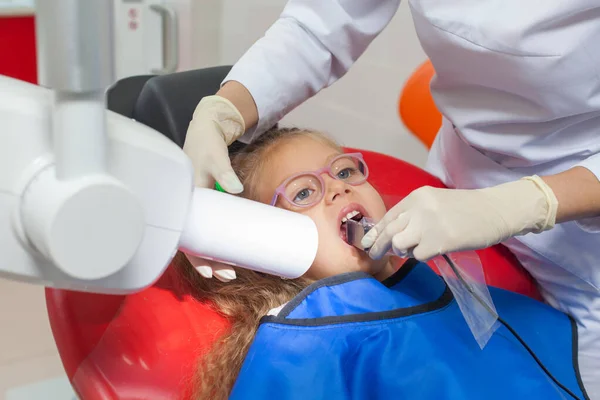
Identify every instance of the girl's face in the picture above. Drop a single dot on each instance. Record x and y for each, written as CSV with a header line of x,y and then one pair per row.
x,y
334,256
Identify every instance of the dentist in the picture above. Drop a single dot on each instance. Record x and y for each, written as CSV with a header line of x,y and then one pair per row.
x,y
518,84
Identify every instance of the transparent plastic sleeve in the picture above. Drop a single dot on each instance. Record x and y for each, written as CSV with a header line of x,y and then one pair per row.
x,y
467,282
464,275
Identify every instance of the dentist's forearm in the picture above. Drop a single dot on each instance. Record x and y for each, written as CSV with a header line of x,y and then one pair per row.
x,y
242,100
578,193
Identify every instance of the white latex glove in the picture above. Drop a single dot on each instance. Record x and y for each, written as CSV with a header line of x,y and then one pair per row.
x,y
215,125
208,269
430,222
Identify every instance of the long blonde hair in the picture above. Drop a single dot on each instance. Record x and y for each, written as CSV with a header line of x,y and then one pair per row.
x,y
251,295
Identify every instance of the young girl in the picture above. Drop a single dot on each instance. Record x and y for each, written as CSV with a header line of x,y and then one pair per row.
x,y
262,166
273,170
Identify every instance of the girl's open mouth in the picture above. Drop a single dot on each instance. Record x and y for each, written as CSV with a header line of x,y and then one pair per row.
x,y
353,215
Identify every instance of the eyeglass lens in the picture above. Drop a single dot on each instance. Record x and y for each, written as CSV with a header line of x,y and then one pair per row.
x,y
307,189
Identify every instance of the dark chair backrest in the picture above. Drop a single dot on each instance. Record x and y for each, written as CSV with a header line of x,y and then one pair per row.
x,y
166,103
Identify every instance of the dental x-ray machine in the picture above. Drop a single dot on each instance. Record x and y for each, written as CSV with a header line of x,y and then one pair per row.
x,y
93,201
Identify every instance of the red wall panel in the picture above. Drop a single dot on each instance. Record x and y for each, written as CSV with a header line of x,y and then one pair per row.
x,y
17,48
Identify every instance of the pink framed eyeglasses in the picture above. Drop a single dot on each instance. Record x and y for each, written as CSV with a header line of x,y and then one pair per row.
x,y
306,189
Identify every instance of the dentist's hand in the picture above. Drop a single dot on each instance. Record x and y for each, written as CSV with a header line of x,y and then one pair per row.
x,y
208,269
430,222
216,124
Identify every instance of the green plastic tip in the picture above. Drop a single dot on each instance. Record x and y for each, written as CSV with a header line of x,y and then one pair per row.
x,y
219,188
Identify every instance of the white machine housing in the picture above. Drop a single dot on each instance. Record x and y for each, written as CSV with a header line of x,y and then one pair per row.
x,y
155,169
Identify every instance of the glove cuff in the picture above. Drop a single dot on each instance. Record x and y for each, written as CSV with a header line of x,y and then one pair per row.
x,y
527,205
224,114
549,209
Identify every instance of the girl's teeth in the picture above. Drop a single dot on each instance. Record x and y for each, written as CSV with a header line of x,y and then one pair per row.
x,y
349,216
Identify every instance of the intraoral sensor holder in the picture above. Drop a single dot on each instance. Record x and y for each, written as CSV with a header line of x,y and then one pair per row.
x,y
464,275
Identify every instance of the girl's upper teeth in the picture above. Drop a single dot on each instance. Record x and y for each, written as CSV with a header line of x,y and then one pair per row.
x,y
349,216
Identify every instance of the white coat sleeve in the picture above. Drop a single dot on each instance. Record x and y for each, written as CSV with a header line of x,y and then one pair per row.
x,y
310,46
592,163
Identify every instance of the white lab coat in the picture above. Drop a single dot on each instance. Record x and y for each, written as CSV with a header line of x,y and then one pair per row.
x,y
518,82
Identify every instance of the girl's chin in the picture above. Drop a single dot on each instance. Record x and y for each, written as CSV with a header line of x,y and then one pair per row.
x,y
383,268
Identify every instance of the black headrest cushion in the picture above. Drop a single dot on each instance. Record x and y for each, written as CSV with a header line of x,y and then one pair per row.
x,y
167,102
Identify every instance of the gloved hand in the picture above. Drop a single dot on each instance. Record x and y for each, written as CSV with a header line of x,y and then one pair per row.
x,y
430,222
208,269
215,125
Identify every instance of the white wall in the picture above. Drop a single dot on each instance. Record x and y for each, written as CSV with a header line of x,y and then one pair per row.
x,y
28,353
361,109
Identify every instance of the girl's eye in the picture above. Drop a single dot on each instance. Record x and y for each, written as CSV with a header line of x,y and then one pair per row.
x,y
303,195
346,173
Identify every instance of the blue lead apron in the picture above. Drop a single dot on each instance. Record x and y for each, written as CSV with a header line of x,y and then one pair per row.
x,y
353,337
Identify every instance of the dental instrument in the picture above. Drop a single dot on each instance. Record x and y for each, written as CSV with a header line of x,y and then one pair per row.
x,y
464,275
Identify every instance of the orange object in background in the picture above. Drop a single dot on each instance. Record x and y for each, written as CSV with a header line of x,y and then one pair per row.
x,y
416,106
17,47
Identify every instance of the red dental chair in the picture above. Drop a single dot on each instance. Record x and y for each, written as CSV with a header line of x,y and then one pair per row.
x,y
146,345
